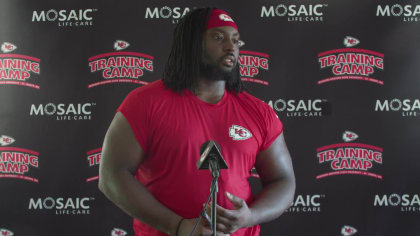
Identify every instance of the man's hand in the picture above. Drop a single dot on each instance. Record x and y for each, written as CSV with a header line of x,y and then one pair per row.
x,y
229,221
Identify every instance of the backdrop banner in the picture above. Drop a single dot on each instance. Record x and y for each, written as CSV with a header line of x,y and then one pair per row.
x,y
343,77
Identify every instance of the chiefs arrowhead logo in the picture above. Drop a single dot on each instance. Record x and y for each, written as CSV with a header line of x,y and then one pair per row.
x,y
7,47
118,232
6,140
349,136
6,232
225,17
237,132
120,45
348,230
350,41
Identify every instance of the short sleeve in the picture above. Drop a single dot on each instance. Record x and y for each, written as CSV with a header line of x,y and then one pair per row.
x,y
134,108
274,127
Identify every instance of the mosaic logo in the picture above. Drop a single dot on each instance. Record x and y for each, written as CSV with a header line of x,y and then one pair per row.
x,y
17,69
120,67
300,107
16,162
295,13
93,159
62,206
351,63
250,65
66,18
407,13
306,203
350,158
406,107
61,111
405,202
165,12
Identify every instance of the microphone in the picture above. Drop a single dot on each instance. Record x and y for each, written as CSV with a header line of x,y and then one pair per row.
x,y
211,158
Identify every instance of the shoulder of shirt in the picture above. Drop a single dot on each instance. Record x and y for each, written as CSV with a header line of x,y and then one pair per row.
x,y
152,90
252,100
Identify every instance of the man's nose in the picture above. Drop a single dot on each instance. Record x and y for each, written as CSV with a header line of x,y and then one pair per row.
x,y
229,45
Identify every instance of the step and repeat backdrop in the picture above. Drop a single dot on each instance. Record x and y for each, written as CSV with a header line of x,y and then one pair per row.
x,y
343,76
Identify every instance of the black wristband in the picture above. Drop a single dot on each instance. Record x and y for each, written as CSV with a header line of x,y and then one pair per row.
x,y
179,224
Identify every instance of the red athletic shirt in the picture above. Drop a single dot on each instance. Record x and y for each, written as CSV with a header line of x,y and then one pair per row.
x,y
171,128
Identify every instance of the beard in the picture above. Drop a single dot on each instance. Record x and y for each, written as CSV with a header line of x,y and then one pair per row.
x,y
214,72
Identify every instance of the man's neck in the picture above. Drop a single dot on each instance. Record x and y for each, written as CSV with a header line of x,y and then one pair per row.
x,y
210,91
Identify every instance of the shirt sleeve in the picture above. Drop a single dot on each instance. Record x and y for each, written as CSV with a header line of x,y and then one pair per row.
x,y
274,127
134,108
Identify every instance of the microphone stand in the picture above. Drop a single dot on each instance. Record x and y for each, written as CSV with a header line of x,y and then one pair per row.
x,y
215,171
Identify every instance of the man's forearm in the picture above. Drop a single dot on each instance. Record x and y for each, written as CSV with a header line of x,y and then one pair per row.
x,y
132,197
273,200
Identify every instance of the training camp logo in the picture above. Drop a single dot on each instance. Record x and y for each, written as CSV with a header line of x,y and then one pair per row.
x,y
405,107
17,69
121,66
405,202
350,158
351,63
299,107
93,159
165,12
62,111
347,230
15,162
62,206
118,232
295,13
237,133
6,232
66,18
250,64
407,13
306,203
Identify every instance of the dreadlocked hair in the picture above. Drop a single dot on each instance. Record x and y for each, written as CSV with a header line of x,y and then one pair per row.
x,y
182,68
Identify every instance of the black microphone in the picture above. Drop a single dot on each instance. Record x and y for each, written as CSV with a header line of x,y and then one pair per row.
x,y
211,158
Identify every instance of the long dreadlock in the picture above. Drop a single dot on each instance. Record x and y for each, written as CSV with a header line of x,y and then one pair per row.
x,y
183,66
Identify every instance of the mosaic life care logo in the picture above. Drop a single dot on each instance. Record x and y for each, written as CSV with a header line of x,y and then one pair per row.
x,y
350,158
351,63
121,66
65,17
93,159
405,202
61,205
17,69
407,13
62,111
306,203
16,162
405,107
250,65
299,107
167,13
295,13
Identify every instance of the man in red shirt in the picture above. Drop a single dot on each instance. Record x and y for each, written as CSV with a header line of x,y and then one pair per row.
x,y
151,147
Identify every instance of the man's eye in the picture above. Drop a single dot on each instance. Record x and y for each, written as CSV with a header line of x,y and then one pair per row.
x,y
240,43
218,37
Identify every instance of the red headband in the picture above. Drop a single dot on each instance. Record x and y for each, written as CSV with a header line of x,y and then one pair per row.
x,y
220,18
